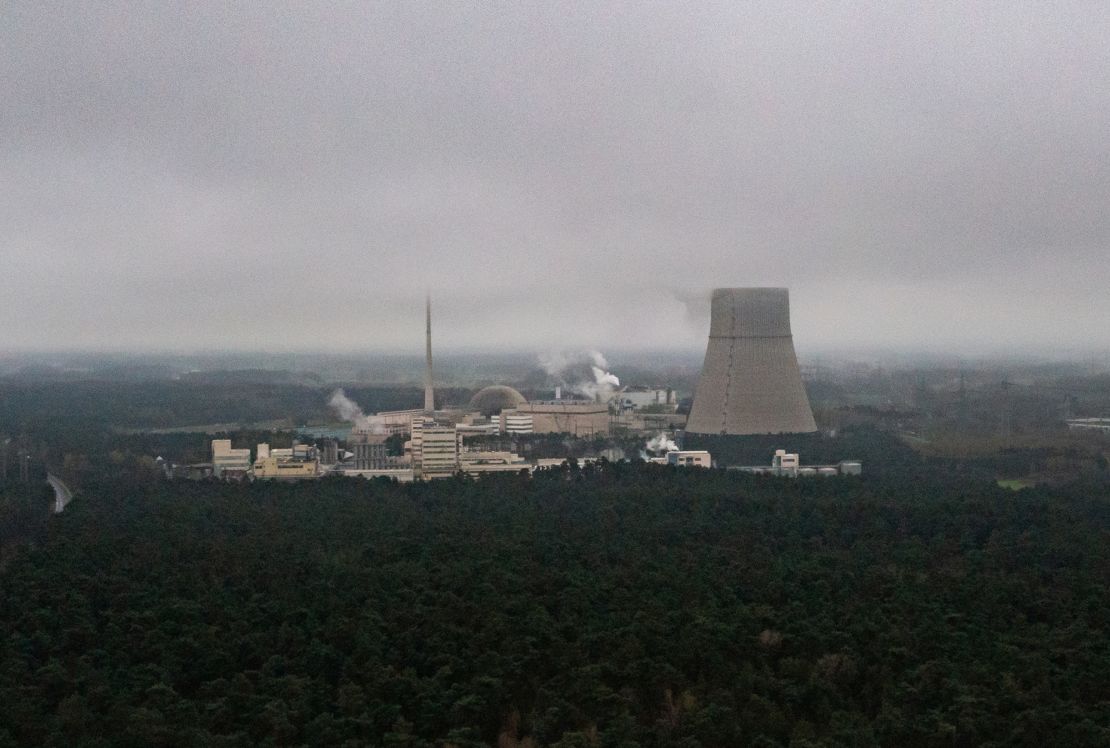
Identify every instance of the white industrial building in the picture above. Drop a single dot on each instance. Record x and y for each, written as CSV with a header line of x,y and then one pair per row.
x,y
635,398
517,423
788,465
690,458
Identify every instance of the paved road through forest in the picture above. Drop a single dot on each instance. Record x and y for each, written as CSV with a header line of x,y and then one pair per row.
x,y
62,494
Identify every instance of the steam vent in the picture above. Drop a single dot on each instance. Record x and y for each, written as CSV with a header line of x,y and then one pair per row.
x,y
750,383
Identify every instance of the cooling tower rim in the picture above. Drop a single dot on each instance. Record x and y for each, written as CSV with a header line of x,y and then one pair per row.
x,y
756,312
736,290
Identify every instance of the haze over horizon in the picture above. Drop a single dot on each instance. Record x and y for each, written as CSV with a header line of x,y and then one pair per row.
x,y
294,176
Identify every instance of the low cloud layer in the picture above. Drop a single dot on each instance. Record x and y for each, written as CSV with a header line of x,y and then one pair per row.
x,y
295,175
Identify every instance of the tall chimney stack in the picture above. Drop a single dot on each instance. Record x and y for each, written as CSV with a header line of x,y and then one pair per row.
x,y
750,382
429,391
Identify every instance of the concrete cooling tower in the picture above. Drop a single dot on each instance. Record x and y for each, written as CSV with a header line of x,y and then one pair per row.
x,y
750,382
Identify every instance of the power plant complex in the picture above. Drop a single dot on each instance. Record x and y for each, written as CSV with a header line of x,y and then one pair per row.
x,y
750,384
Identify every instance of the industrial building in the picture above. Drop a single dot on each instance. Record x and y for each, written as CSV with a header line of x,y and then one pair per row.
x,y
435,449
399,474
788,465
370,451
278,468
640,421
477,463
228,462
298,462
516,423
473,426
575,417
750,382
438,452
396,422
329,452
659,399
296,452
690,458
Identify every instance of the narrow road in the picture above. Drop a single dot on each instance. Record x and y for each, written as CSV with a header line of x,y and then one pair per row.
x,y
62,494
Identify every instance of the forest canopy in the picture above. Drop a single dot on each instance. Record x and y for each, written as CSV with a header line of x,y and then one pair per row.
x,y
614,606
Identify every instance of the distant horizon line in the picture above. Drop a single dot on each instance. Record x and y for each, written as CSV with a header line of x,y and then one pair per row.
x,y
969,353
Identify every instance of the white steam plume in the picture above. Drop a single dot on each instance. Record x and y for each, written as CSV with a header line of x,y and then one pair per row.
x,y
556,364
602,388
345,407
599,359
661,443
349,411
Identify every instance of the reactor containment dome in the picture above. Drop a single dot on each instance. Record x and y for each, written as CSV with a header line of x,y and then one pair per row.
x,y
494,399
750,382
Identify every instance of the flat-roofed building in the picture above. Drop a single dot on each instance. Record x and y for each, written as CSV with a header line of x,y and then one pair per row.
x,y
637,420
479,462
296,452
401,475
851,467
479,429
278,468
575,417
788,464
662,399
224,458
435,449
397,421
515,423
690,458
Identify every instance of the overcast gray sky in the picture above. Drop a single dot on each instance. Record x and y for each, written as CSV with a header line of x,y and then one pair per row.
x,y
282,175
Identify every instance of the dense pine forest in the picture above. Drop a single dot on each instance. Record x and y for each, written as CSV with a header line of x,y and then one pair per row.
x,y
617,605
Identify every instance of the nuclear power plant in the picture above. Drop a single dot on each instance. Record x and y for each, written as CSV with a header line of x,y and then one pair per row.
x,y
750,382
